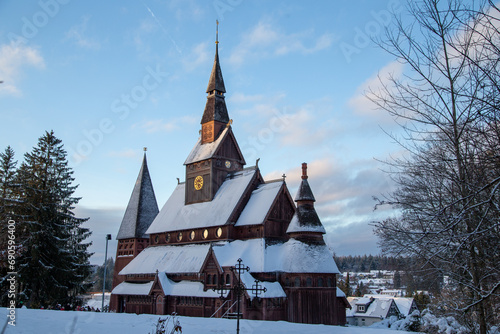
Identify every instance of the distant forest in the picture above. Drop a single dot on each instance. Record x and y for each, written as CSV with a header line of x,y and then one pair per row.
x,y
365,263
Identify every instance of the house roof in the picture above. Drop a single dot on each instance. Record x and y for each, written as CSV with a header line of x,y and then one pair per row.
x,y
261,201
185,288
376,307
210,150
142,207
138,289
292,256
176,216
404,304
169,259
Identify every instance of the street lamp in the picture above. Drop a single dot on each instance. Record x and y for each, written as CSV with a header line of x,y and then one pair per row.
x,y
108,237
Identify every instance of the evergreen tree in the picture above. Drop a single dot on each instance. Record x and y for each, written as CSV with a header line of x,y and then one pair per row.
x,y
56,262
8,205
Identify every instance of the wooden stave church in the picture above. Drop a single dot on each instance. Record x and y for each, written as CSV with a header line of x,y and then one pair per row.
x,y
172,260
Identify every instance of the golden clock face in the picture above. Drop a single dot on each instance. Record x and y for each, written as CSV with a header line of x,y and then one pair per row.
x,y
198,182
228,164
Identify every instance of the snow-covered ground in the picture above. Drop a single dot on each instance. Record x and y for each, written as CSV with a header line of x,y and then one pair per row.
x,y
71,322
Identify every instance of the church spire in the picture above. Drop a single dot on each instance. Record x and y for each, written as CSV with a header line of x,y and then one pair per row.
x,y
215,116
142,207
305,224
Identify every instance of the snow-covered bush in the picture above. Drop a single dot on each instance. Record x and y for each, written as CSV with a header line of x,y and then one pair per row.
x,y
442,325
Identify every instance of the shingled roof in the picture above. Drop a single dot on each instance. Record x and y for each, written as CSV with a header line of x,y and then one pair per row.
x,y
305,218
215,108
142,207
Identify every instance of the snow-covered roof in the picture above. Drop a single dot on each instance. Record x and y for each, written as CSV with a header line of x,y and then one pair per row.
x,y
404,304
305,219
205,151
138,289
340,293
377,308
292,256
273,289
185,288
170,259
176,216
259,204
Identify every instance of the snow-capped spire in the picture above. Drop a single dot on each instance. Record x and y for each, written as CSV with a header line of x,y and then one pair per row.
x,y
305,223
142,207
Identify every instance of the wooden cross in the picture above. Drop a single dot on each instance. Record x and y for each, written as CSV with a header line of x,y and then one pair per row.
x,y
239,289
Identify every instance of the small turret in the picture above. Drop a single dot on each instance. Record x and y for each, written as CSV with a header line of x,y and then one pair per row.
x,y
305,224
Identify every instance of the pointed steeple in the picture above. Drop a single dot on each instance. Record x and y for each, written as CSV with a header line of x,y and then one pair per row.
x,y
216,82
142,207
305,224
215,108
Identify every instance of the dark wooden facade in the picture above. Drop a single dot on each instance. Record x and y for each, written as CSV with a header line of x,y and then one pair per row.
x,y
306,297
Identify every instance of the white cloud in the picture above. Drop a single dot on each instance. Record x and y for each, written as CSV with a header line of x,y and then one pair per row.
x,y
77,35
128,153
361,104
160,125
13,59
265,40
199,55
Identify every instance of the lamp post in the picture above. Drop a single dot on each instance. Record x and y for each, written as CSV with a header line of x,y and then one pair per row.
x,y
108,237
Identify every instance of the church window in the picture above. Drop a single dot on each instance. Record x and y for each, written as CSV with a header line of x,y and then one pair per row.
x,y
192,235
329,282
167,238
215,279
157,238
287,281
309,282
179,236
209,279
297,281
205,234
218,233
228,279
320,282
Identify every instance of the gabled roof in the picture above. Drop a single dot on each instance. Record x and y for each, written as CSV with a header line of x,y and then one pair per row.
x,y
142,207
260,203
175,215
135,289
170,259
185,288
206,151
375,307
292,256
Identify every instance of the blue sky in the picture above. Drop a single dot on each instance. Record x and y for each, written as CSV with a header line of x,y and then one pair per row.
x,y
112,77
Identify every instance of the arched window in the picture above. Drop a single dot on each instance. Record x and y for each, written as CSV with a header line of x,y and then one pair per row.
x,y
297,281
320,282
309,282
287,281
215,279
228,279
329,282
209,279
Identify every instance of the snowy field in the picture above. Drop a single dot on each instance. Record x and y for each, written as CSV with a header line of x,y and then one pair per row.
x,y
66,322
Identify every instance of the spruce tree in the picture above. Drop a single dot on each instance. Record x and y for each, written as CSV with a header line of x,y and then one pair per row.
x,y
8,205
56,262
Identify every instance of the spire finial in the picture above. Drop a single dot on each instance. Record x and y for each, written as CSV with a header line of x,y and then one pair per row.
x,y
145,149
217,32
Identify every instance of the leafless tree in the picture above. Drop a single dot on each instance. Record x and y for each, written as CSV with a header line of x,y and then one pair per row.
x,y
448,192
